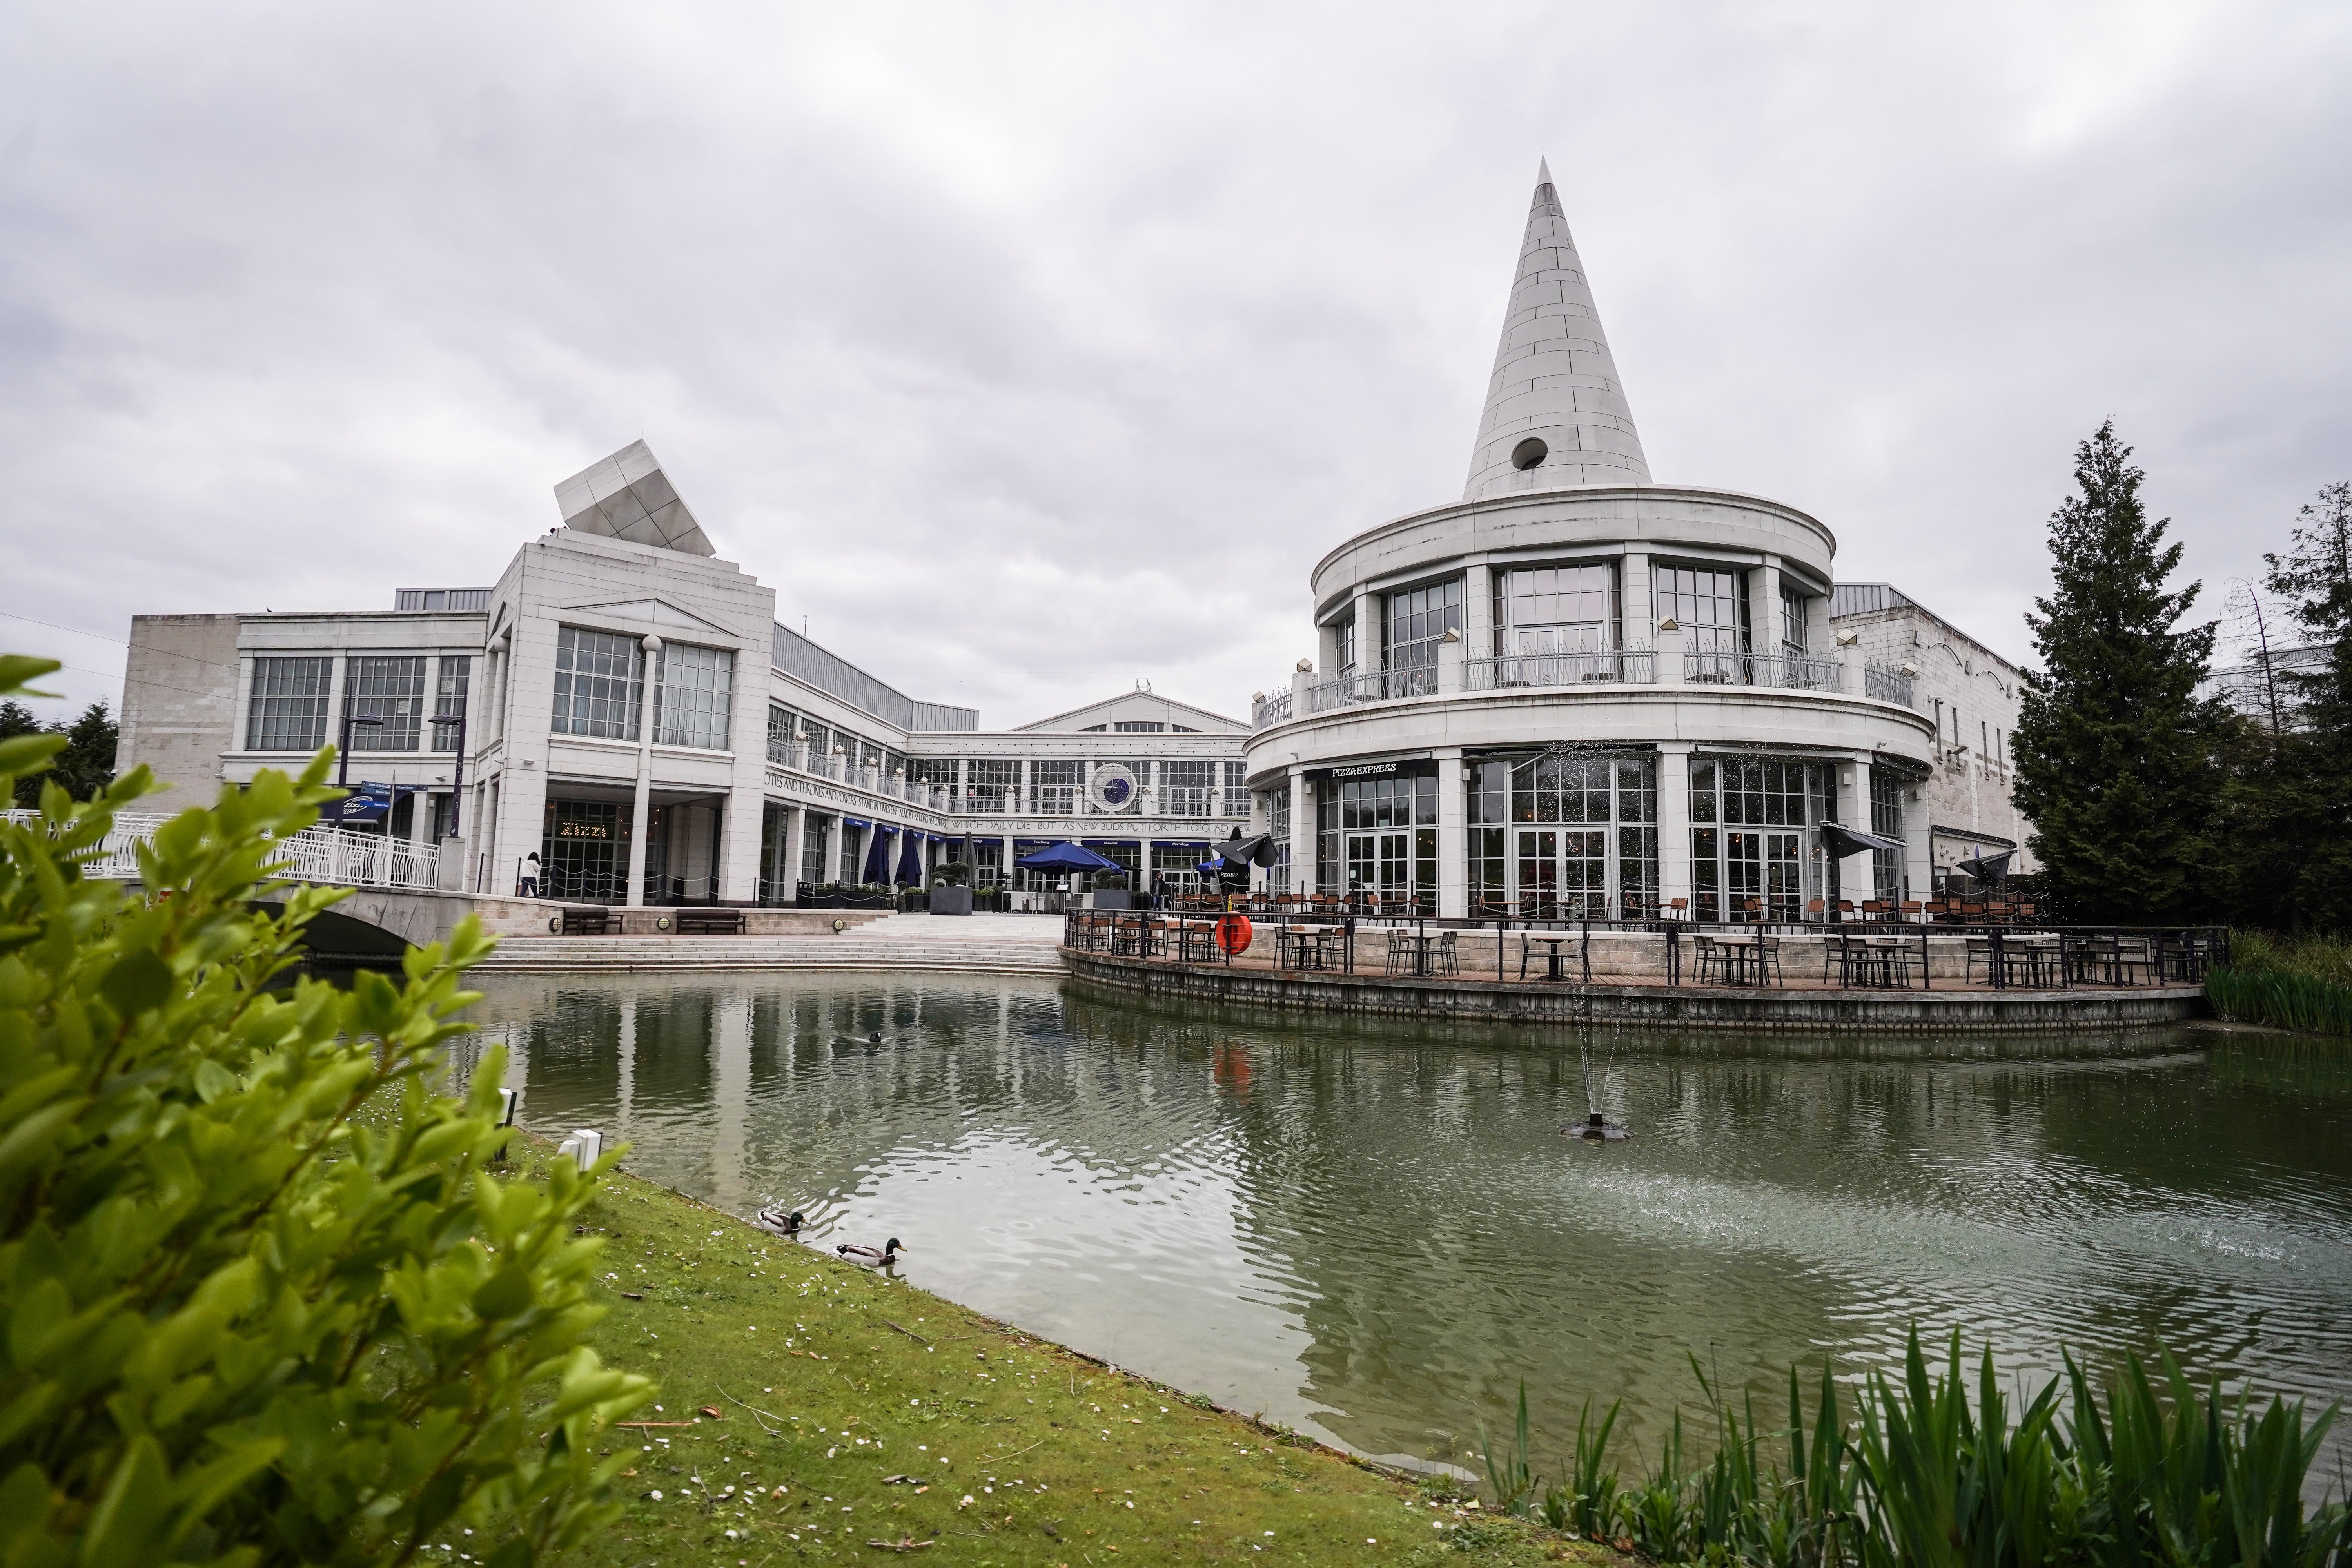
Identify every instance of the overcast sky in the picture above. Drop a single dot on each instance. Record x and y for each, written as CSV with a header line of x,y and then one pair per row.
x,y
1026,352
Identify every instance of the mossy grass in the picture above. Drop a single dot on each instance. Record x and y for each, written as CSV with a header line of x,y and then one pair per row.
x,y
831,1384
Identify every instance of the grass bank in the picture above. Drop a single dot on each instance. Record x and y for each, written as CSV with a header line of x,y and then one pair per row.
x,y
818,1408
2287,981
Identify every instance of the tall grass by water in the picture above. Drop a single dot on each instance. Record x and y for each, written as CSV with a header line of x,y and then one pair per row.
x,y
2290,983
2145,1470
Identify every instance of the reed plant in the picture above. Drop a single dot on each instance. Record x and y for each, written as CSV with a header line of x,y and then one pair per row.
x,y
2282,999
2146,1472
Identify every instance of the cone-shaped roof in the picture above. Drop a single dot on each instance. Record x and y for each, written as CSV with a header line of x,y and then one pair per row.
x,y
1556,413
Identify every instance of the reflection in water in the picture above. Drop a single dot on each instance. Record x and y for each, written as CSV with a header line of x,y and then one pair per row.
x,y
1375,1231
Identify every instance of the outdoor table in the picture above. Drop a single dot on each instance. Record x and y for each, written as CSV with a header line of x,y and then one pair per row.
x,y
1411,952
1742,958
1874,961
1302,948
1551,955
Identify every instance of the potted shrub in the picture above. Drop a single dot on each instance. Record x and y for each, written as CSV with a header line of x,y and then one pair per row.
x,y
949,894
989,896
1110,891
829,896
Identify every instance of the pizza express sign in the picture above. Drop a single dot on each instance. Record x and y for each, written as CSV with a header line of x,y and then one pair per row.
x,y
1112,788
1405,767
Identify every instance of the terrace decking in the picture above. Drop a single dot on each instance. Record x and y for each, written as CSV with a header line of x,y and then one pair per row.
x,y
1630,983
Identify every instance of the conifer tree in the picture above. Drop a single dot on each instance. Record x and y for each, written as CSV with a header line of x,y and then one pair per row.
x,y
2113,747
2308,798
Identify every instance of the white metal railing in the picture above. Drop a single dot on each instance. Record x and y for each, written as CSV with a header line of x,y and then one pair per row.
x,y
1268,711
331,855
1631,665
1791,671
1886,685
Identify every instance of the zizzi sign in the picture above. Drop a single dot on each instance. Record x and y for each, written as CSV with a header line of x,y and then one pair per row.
x,y
584,830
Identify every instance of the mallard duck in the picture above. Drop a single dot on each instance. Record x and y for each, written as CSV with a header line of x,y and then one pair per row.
x,y
778,1220
871,1257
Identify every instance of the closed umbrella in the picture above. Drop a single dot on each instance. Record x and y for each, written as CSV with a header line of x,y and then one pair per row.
x,y
1841,842
1988,868
877,856
910,858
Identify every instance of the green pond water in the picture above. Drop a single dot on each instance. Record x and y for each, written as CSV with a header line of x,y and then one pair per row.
x,y
1375,1232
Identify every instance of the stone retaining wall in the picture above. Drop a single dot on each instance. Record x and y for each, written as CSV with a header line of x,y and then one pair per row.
x,y
1683,1007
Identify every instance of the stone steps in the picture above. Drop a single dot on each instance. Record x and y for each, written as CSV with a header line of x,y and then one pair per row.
x,y
847,950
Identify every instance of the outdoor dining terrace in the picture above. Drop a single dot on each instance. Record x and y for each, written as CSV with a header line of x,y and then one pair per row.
x,y
1959,947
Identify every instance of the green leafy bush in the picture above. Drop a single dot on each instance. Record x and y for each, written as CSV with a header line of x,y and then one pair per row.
x,y
261,1300
952,873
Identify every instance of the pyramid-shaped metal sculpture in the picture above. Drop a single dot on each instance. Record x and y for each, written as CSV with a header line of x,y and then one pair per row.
x,y
1556,413
626,496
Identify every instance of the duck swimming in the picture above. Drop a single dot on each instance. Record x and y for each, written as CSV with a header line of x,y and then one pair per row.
x,y
871,1257
774,1218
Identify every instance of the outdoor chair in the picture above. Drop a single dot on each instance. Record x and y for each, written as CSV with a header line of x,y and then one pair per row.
x,y
1448,960
1911,911
1767,962
1816,910
1710,958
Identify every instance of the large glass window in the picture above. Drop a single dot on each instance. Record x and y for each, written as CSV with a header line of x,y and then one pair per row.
x,y
1794,627
1188,788
1556,609
599,683
816,845
392,689
449,694
1277,824
1418,621
1343,639
288,711
1753,854
1563,838
1712,609
691,690
994,781
584,851
1379,837
1887,821
1054,785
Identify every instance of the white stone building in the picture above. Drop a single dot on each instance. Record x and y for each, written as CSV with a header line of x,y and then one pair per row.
x,y
634,715
1580,691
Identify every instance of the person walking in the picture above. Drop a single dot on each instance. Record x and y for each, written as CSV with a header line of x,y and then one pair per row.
x,y
530,884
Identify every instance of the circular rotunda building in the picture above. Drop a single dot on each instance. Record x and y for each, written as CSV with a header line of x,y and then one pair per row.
x,y
1578,692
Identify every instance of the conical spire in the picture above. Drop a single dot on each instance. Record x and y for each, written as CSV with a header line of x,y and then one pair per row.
x,y
1555,413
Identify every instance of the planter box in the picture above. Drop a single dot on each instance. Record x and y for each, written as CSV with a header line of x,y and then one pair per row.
x,y
951,900
1113,899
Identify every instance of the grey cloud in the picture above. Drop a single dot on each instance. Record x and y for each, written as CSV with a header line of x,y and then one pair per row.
x,y
1026,351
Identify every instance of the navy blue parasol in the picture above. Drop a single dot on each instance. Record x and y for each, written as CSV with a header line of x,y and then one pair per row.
x,y
877,856
1067,857
910,858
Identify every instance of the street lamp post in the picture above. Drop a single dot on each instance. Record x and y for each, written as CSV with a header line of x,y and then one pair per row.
x,y
456,774
343,758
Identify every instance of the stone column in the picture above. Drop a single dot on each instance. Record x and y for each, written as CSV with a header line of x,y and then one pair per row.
x,y
1670,646
1919,843
1634,601
1478,610
641,810
795,843
1452,836
1302,833
1849,659
1764,609
1673,822
1301,681
1450,672
1854,881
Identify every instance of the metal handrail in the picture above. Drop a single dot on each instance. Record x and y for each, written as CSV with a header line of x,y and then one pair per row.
x,y
334,856
1268,711
1789,671
1886,685
1627,665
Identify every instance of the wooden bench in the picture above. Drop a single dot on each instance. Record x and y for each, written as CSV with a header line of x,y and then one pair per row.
x,y
709,922
586,922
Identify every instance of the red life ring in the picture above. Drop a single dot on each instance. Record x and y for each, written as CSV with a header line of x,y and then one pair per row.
x,y
1234,933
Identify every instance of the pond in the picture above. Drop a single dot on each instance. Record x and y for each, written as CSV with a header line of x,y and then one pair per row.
x,y
1375,1232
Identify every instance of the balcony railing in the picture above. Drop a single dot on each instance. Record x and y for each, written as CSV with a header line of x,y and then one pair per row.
x,y
1268,711
1371,686
1623,665
1792,672
330,855
1886,685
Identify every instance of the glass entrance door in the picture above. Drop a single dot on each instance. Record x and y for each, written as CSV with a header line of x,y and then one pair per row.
x,y
1563,874
1764,876
1380,863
